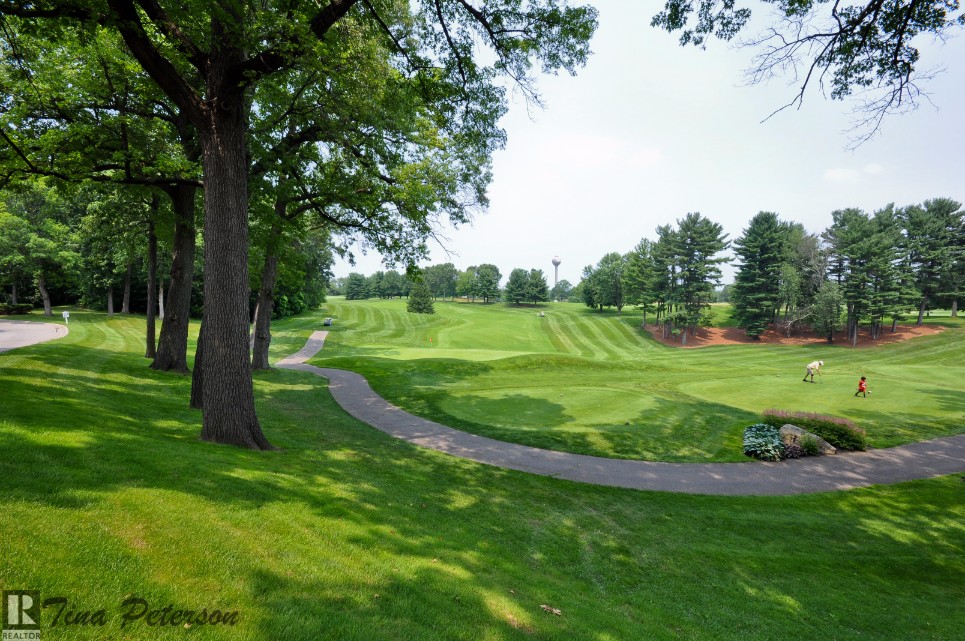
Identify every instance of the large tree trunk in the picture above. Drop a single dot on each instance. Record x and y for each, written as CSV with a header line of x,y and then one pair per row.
x,y
954,307
126,303
110,302
228,401
151,350
44,294
921,310
266,298
173,343
13,294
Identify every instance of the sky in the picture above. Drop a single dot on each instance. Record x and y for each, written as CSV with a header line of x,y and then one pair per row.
x,y
649,131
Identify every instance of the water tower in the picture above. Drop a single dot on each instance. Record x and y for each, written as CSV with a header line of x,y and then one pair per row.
x,y
556,270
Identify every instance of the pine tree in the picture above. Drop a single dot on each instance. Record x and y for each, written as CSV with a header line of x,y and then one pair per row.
x,y
638,277
762,252
420,299
933,240
537,290
698,242
517,285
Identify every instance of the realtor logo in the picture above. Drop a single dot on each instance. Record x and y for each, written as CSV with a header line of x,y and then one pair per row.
x,y
21,615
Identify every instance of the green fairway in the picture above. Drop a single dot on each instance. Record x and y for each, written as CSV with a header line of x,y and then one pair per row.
x,y
594,383
107,493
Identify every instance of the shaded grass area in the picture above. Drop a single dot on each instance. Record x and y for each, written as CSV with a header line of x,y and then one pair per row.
x,y
105,491
594,383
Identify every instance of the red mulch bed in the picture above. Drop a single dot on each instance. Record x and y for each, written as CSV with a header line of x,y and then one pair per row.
x,y
707,336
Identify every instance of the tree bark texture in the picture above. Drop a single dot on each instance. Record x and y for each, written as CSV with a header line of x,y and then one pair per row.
x,y
110,302
172,348
954,308
160,299
126,303
44,294
266,300
228,403
921,310
151,350
13,294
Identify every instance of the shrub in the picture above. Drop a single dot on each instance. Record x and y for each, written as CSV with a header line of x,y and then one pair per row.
x,y
20,308
763,441
810,446
839,432
794,451
420,299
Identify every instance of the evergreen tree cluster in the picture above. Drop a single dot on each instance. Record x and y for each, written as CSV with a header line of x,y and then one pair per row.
x,y
864,270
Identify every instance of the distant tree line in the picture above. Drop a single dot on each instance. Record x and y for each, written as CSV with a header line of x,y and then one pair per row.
x,y
476,283
865,269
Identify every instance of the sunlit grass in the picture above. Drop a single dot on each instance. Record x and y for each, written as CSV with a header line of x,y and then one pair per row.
x,y
595,383
346,533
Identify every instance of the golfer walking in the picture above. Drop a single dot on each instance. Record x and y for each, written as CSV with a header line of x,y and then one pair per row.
x,y
813,368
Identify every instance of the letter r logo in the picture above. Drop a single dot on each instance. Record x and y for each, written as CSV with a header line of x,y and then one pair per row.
x,y
21,610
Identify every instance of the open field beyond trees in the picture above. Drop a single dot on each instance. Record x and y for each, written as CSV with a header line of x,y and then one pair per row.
x,y
106,491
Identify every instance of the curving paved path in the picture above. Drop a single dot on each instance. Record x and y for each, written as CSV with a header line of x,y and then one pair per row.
x,y
818,474
16,333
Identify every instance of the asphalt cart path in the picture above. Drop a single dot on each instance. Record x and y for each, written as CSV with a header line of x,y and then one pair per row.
x,y
17,333
845,471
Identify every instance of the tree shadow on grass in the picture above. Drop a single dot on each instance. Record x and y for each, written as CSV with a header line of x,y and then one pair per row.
x,y
952,401
384,540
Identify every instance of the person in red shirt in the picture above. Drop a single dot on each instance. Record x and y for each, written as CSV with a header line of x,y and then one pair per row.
x,y
862,387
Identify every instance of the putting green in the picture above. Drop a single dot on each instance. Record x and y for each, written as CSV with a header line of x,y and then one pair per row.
x,y
574,408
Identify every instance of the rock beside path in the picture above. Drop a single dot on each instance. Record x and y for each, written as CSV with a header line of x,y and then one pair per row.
x,y
792,435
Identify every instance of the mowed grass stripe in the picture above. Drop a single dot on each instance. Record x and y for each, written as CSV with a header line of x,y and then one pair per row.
x,y
561,338
577,329
701,400
603,347
617,335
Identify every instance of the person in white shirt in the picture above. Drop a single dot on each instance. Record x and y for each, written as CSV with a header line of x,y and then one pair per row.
x,y
813,368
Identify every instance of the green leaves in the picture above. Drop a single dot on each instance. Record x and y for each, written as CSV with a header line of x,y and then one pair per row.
x,y
762,252
420,299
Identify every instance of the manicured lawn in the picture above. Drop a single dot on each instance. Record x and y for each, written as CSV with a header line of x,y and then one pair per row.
x,y
594,383
348,534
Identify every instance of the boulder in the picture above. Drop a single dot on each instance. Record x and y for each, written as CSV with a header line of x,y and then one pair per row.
x,y
792,435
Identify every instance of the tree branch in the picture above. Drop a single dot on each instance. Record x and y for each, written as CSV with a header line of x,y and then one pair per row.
x,y
275,58
185,45
159,68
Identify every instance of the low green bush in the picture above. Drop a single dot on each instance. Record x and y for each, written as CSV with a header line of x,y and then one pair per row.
x,y
839,432
763,441
810,445
20,308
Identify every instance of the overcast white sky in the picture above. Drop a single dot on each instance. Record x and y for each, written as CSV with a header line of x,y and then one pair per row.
x,y
650,131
